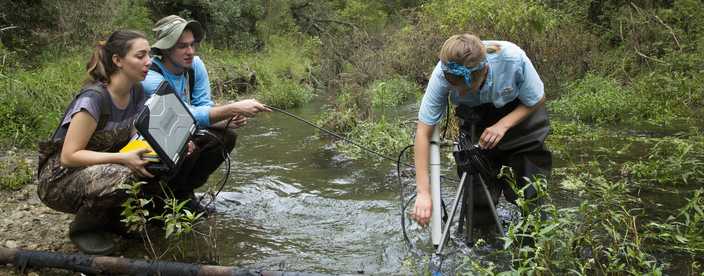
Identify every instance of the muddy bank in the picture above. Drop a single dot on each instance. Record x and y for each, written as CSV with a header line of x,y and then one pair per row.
x,y
25,222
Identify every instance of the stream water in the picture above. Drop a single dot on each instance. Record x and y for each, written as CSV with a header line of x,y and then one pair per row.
x,y
293,203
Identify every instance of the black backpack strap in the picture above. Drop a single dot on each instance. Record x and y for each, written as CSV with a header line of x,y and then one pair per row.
x,y
191,82
156,68
190,74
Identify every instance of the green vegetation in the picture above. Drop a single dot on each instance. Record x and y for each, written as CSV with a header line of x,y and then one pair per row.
x,y
281,75
15,172
596,99
33,100
385,137
392,92
134,210
685,231
178,223
671,161
605,234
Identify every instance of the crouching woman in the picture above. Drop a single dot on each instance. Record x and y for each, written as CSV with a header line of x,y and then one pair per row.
x,y
80,167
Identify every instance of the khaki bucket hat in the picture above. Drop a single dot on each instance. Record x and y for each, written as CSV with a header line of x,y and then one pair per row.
x,y
169,29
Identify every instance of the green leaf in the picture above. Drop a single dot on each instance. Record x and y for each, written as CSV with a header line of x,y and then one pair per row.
x,y
681,239
548,229
169,230
181,204
143,202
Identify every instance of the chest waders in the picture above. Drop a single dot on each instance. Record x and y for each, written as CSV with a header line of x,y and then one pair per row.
x,y
522,148
90,192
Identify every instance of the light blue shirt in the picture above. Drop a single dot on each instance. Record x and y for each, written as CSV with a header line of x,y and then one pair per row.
x,y
511,75
200,103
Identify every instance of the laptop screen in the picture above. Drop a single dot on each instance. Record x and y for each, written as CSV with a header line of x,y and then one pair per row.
x,y
167,125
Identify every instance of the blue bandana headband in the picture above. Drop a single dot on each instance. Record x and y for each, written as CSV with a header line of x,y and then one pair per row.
x,y
460,70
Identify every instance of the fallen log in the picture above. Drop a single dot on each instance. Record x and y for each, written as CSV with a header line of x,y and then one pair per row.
x,y
100,265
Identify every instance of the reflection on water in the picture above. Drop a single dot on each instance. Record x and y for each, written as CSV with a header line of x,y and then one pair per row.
x,y
292,203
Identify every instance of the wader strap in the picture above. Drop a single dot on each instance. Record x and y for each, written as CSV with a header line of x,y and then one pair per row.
x,y
49,147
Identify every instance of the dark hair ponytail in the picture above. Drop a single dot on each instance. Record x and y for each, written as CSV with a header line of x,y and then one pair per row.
x,y
100,67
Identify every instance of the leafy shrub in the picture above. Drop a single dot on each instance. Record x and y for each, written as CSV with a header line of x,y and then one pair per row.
x,y
597,99
346,112
228,23
285,93
510,16
234,23
598,237
593,99
282,74
671,93
369,15
68,24
555,41
284,71
392,92
135,213
413,50
385,137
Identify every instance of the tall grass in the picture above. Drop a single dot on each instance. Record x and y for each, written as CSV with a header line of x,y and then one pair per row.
x,y
603,100
392,92
32,100
597,99
284,72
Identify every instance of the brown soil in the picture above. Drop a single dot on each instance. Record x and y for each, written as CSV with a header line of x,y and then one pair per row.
x,y
26,223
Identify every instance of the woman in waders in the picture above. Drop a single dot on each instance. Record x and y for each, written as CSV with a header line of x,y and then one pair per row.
x,y
495,86
80,166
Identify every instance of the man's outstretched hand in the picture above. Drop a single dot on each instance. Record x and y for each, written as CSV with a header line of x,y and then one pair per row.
x,y
249,107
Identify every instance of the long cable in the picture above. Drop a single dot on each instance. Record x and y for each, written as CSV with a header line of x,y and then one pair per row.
x,y
346,139
403,203
335,134
227,159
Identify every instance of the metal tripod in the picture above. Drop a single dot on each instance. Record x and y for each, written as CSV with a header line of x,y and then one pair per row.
x,y
464,193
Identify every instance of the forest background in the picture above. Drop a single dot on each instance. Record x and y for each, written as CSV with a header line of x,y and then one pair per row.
x,y
628,71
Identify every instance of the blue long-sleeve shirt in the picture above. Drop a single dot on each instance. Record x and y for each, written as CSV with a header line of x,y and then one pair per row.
x,y
511,75
200,102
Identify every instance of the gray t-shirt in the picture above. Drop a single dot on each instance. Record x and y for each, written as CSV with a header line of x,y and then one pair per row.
x,y
92,103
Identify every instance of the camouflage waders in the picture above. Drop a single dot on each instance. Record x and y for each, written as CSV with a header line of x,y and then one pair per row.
x,y
94,187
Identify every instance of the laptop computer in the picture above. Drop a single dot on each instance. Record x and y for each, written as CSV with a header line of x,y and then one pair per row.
x,y
167,125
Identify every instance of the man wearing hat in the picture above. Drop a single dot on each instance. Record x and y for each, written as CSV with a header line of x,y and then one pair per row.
x,y
175,61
